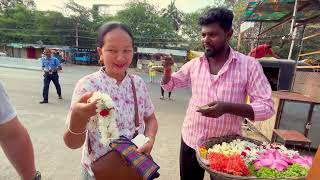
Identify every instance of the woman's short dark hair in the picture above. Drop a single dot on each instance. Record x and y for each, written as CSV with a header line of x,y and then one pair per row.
x,y
109,26
222,16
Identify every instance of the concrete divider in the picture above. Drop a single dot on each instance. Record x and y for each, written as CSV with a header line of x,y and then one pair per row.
x,y
20,63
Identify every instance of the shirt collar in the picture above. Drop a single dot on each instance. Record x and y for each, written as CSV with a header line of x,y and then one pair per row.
x,y
232,57
50,59
111,79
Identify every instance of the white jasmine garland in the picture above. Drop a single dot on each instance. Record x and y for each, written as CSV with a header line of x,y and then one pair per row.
x,y
105,119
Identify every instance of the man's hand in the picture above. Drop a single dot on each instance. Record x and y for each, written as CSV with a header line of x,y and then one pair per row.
x,y
82,110
214,109
167,61
217,109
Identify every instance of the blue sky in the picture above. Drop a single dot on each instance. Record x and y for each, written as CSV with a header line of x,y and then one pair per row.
x,y
183,5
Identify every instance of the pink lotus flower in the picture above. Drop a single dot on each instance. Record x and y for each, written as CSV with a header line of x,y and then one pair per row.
x,y
305,161
272,159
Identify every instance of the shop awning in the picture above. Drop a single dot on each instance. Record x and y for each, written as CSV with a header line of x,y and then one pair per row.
x,y
280,10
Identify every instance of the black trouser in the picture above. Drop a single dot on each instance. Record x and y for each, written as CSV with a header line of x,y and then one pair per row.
x,y
162,92
54,77
189,166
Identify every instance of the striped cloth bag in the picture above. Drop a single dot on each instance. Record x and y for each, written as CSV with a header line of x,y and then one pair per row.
x,y
141,162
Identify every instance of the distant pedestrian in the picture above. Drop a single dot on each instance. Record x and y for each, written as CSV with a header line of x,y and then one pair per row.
x,y
174,68
50,67
152,72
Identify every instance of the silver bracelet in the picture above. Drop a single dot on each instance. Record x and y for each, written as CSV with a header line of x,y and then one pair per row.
x,y
75,133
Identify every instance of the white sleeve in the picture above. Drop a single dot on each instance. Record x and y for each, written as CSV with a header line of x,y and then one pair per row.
x,y
7,111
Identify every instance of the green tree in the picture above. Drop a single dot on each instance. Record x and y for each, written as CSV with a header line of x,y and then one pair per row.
x,y
149,29
173,14
5,4
96,18
54,28
30,4
14,23
80,17
191,29
23,25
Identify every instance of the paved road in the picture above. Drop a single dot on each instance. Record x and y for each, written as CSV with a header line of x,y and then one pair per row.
x,y
46,123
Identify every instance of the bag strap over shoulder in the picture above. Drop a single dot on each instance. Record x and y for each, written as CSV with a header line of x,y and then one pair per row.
x,y
136,114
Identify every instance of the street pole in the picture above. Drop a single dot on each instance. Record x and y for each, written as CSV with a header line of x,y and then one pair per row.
x,y
77,37
293,30
260,27
301,42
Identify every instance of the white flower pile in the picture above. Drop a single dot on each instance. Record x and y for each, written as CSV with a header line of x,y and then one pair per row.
x,y
247,149
232,148
105,119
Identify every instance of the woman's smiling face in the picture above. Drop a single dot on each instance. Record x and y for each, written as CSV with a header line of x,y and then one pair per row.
x,y
116,52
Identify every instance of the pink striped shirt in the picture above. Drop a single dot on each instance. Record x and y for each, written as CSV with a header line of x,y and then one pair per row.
x,y
241,75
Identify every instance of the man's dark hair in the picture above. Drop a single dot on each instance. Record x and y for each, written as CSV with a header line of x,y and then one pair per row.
x,y
222,16
107,27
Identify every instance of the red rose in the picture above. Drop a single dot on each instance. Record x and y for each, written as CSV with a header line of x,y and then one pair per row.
x,y
248,148
104,112
244,153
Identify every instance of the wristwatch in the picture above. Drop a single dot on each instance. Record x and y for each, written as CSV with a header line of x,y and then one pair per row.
x,y
37,176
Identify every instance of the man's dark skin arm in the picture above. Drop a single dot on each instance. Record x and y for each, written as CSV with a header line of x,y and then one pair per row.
x,y
217,109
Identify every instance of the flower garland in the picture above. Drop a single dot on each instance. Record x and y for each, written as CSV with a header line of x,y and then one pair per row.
x,y
105,119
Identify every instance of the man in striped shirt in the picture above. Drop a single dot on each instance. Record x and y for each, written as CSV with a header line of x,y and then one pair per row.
x,y
220,79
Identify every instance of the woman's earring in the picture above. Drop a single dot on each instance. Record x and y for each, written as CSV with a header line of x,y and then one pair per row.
x,y
101,62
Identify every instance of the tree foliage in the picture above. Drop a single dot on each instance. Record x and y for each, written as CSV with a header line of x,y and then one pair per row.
x,y
149,29
152,27
173,14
